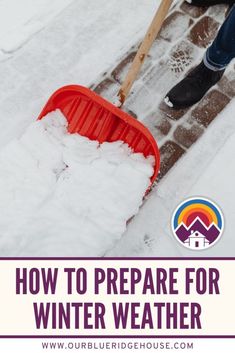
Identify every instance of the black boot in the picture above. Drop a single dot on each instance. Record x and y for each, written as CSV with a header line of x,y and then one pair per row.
x,y
193,87
205,3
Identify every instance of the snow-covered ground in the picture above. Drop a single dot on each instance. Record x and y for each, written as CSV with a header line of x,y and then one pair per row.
x,y
208,170
19,20
81,42
52,43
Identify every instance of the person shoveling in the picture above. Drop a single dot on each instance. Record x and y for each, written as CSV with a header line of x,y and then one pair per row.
x,y
217,57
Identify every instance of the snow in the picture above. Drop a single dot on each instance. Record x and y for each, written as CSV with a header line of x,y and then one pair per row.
x,y
64,195
168,102
43,48
76,46
19,20
207,170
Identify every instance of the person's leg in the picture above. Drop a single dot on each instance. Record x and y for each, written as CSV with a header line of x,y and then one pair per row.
x,y
222,50
195,85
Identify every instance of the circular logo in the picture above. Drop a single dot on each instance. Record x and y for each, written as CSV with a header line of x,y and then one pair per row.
x,y
197,223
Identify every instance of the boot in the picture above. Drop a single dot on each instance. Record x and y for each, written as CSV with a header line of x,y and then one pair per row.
x,y
193,87
206,3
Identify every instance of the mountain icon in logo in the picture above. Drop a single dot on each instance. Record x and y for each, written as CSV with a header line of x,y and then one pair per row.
x,y
210,233
197,223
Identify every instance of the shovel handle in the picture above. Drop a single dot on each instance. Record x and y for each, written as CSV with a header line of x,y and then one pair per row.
x,y
143,50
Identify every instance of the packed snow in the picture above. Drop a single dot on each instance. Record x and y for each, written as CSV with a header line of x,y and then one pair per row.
x,y
65,195
19,20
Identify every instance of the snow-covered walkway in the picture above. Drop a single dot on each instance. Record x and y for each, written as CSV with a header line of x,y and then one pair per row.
x,y
207,170
82,42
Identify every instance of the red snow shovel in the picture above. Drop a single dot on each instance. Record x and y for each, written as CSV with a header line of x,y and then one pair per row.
x,y
94,117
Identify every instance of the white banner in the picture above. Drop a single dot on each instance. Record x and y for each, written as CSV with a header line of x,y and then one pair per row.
x,y
124,298
117,346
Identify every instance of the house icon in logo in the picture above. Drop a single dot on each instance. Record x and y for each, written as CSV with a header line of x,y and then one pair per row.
x,y
196,240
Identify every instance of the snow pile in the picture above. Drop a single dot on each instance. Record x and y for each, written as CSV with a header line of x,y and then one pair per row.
x,y
64,195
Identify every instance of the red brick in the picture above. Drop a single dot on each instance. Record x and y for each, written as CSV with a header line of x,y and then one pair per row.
x,y
175,26
107,88
210,106
227,84
140,100
103,85
182,56
174,114
158,124
193,11
187,136
117,73
161,78
170,153
204,32
159,48
163,125
218,12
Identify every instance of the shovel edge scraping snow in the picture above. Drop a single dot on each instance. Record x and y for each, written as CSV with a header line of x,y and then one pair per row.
x,y
94,117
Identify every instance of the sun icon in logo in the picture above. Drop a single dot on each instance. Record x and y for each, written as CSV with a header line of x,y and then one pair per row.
x,y
197,223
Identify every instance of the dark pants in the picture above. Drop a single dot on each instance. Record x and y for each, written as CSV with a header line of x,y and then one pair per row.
x,y
222,50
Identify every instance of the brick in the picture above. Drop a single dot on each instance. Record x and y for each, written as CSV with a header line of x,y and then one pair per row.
x,y
107,88
161,78
193,11
103,85
218,12
227,84
140,100
159,125
163,126
122,68
174,114
170,153
210,106
182,56
159,48
203,32
187,136
175,26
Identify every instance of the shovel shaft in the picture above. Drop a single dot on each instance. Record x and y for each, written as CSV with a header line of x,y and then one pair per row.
x,y
143,50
